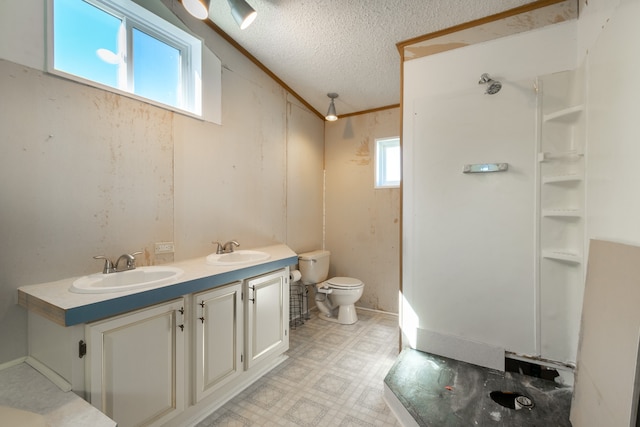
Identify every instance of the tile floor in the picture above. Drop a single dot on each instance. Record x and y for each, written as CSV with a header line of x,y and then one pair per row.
x,y
333,377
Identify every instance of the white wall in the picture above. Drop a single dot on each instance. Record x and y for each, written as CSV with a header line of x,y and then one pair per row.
x,y
469,241
607,380
87,172
22,41
613,128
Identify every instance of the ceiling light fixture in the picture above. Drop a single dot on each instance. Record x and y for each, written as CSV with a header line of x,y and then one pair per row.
x,y
331,113
242,13
197,8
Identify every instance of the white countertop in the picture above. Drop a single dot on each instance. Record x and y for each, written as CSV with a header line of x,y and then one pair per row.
x,y
54,300
25,389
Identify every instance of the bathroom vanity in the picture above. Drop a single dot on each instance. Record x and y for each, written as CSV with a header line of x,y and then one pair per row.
x,y
166,355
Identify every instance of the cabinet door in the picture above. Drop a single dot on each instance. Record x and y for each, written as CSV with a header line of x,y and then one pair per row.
x,y
136,365
267,308
218,337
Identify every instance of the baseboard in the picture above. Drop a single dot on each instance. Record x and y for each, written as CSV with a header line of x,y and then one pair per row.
x,y
314,308
11,363
49,373
376,311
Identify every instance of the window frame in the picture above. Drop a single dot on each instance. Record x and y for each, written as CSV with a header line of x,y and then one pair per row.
x,y
135,16
381,160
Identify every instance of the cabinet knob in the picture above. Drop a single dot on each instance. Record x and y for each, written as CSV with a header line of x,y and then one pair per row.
x,y
201,319
181,327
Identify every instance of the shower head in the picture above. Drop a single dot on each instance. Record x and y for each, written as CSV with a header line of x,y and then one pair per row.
x,y
493,86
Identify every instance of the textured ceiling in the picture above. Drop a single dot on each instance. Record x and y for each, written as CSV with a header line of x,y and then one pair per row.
x,y
345,46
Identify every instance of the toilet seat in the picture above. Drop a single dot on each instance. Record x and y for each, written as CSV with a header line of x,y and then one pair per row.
x,y
344,283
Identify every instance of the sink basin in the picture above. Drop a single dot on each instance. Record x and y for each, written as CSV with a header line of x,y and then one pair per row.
x,y
141,277
237,257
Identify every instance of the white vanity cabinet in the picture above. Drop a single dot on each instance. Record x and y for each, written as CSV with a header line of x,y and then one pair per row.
x,y
267,316
136,365
136,362
166,356
218,338
240,322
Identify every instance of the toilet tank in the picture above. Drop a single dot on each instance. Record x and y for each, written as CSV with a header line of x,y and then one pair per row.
x,y
314,266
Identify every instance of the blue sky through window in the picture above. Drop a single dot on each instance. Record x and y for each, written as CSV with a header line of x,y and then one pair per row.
x,y
90,42
80,29
156,69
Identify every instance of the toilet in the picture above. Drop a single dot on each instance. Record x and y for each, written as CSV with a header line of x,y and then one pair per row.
x,y
335,298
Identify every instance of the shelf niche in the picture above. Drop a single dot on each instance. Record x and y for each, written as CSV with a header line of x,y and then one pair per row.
x,y
561,161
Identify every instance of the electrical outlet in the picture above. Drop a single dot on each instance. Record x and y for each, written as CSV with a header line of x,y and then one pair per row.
x,y
164,248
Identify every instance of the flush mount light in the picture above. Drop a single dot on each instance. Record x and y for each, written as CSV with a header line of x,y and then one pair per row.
x,y
331,113
242,13
197,8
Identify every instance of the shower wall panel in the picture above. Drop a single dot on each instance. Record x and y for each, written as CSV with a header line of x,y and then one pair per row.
x,y
469,240
477,230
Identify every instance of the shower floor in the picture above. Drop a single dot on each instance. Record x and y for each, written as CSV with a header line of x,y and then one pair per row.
x,y
437,391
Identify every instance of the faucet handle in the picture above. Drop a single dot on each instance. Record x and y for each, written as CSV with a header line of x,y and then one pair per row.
x,y
131,263
219,248
108,264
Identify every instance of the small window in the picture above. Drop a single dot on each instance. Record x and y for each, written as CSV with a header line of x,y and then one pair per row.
x,y
388,162
121,45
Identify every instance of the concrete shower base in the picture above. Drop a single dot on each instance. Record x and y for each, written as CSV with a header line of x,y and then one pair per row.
x,y
427,390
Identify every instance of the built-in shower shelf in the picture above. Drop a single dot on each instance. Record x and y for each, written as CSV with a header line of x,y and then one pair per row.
x,y
566,155
566,115
561,210
569,213
560,255
569,177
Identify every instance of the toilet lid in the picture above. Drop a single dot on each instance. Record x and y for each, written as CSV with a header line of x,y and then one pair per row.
x,y
344,282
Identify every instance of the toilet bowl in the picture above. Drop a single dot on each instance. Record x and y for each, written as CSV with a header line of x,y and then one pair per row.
x,y
335,297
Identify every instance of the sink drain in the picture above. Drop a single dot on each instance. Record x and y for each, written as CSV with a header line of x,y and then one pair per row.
x,y
511,400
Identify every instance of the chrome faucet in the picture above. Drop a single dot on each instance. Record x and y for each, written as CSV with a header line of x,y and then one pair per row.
x,y
130,260
227,248
111,267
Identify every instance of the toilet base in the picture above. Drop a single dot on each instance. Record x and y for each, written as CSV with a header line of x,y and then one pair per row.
x,y
346,315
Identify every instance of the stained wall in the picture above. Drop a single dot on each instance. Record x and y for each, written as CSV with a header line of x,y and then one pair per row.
x,y
362,222
87,172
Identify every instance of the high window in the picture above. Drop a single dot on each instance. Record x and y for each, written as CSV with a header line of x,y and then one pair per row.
x,y
123,46
388,171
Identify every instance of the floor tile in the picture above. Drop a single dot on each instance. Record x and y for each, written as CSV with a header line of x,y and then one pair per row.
x,y
333,377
